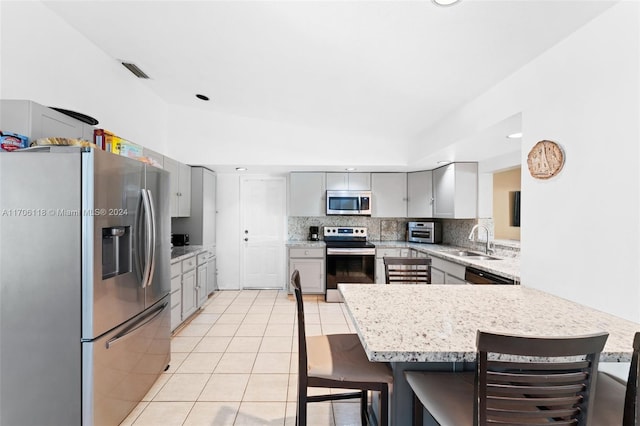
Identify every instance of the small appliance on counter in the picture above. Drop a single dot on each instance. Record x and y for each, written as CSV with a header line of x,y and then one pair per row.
x,y
314,233
179,240
424,232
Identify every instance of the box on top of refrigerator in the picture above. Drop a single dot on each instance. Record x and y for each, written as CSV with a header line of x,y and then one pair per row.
x,y
11,141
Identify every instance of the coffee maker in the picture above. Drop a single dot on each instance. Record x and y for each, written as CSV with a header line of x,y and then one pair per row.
x,y
314,234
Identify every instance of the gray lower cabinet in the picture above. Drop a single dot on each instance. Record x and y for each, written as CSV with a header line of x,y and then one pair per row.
x,y
446,272
212,273
189,286
176,294
189,282
201,279
310,263
381,253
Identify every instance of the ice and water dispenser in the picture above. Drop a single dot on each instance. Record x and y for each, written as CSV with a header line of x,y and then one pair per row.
x,y
116,251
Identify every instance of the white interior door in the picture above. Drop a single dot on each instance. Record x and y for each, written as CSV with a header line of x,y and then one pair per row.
x,y
263,217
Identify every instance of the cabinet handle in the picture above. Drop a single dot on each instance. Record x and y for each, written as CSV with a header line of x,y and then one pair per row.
x,y
246,239
246,231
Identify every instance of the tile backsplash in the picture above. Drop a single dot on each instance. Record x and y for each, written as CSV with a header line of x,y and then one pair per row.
x,y
455,232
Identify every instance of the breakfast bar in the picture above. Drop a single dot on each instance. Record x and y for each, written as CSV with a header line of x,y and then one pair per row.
x,y
433,327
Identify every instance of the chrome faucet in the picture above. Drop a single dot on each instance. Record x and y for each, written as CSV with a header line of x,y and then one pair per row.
x,y
476,226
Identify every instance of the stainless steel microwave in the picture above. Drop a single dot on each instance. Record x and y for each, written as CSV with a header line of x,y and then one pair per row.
x,y
349,203
424,232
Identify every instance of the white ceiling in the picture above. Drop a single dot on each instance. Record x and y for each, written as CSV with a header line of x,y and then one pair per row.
x,y
384,68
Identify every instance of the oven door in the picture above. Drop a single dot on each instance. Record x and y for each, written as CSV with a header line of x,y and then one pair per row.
x,y
348,265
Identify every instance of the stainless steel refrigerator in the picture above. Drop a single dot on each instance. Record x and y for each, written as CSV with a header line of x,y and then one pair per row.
x,y
84,285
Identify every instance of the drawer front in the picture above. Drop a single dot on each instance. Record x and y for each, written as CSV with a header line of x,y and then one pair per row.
x,y
388,252
202,257
306,252
188,264
176,269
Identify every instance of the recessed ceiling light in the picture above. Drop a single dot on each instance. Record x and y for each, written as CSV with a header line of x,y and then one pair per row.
x,y
350,169
202,97
445,2
241,169
515,135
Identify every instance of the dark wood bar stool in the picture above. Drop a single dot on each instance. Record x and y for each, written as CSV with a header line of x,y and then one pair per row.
x,y
407,270
337,361
616,402
554,386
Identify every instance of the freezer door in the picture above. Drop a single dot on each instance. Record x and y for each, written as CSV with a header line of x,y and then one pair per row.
x,y
119,368
40,350
113,243
157,188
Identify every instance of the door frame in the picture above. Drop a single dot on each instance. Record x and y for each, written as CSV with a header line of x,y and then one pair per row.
x,y
282,249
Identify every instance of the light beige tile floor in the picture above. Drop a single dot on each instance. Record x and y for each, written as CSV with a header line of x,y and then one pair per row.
x,y
235,363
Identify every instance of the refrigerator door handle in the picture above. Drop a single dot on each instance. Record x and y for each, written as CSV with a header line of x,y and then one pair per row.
x,y
148,237
153,220
127,332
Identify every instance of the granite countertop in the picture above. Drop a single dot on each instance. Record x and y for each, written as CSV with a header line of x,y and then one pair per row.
x,y
183,252
438,323
508,267
306,243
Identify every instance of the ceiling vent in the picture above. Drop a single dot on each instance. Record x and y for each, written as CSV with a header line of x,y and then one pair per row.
x,y
135,70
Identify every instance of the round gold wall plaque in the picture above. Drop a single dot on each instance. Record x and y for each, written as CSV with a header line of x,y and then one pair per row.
x,y
545,160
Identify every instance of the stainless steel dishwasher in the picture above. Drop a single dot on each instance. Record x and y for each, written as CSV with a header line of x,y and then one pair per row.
x,y
477,276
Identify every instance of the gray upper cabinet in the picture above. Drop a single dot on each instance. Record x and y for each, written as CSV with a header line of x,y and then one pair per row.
x,y
180,196
201,223
307,194
420,194
37,121
455,191
389,194
348,181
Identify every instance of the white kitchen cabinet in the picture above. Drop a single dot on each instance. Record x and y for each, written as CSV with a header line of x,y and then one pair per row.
x,y
381,253
455,191
180,187
420,194
446,272
348,181
37,121
307,194
310,262
201,223
189,282
389,194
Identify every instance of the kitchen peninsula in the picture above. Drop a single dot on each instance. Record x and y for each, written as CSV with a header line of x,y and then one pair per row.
x,y
434,327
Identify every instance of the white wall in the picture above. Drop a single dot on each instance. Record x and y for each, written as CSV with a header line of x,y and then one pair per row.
x,y
580,230
47,61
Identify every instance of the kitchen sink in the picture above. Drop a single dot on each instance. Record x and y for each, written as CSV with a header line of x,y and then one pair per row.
x,y
479,256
